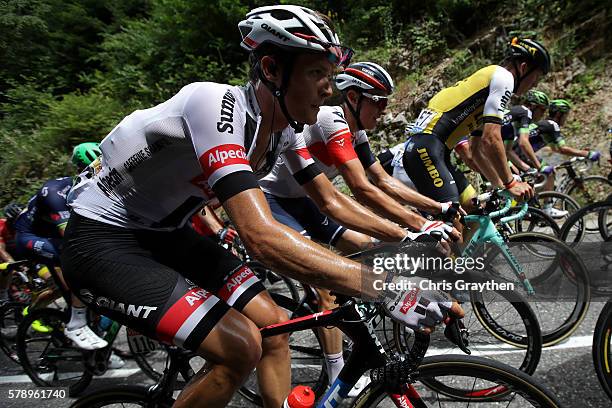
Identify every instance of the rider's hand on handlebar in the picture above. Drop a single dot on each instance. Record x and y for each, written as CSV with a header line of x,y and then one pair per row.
x,y
546,169
521,191
594,155
419,309
447,231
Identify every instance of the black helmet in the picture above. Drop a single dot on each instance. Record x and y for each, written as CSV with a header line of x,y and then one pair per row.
x,y
11,212
532,51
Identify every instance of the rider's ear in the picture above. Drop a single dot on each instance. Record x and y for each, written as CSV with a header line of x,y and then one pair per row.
x,y
270,69
352,96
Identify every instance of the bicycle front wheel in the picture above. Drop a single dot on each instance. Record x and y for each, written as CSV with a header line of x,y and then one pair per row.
x,y
590,189
483,383
559,278
11,314
602,348
501,325
49,358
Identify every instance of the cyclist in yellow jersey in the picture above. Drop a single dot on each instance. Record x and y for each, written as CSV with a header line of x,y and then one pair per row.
x,y
475,103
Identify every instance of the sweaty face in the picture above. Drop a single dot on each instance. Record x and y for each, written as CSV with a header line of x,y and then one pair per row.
x,y
372,110
310,85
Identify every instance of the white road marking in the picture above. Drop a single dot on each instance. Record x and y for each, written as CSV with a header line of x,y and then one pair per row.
x,y
120,373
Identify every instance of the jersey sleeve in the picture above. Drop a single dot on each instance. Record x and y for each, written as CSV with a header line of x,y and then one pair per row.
x,y
3,230
336,136
552,134
298,160
363,150
52,202
500,92
216,126
462,141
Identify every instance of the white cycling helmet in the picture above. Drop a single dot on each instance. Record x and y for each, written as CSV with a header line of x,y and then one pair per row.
x,y
291,27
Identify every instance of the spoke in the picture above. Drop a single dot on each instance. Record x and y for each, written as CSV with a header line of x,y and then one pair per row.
x,y
511,399
473,387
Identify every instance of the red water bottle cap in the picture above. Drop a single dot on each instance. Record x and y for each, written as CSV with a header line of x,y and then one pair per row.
x,y
301,397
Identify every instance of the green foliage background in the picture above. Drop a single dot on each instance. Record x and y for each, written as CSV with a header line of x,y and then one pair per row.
x,y
70,70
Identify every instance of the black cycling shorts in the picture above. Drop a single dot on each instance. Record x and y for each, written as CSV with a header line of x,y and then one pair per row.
x,y
427,162
172,286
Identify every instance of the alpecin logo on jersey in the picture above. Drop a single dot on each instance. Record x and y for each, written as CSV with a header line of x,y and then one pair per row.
x,y
221,156
227,113
409,300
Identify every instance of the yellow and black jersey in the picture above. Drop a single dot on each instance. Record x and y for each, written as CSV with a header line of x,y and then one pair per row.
x,y
457,111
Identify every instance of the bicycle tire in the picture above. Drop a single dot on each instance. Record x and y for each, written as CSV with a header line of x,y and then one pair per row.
x,y
535,218
491,319
56,319
318,384
123,394
10,317
599,187
571,230
560,201
576,273
602,348
433,368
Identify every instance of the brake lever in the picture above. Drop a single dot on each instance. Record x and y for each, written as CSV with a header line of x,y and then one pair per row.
x,y
456,332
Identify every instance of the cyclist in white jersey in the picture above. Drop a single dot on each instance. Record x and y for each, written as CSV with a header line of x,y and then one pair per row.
x,y
129,254
339,145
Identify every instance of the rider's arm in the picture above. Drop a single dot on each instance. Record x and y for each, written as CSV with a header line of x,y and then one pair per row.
x,y
368,194
570,151
525,146
490,156
52,202
208,217
399,191
463,150
283,249
488,151
348,212
516,160
4,255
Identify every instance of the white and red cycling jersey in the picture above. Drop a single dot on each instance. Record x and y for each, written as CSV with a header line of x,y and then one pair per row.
x,y
160,165
331,144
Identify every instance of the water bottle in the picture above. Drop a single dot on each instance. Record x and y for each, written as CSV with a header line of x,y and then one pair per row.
x,y
300,397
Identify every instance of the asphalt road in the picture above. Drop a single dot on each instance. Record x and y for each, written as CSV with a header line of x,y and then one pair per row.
x,y
567,370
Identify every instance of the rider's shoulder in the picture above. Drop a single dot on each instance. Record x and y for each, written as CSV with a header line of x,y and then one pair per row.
x,y
209,93
548,124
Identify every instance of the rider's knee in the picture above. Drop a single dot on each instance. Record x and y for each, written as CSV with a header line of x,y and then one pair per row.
x,y
281,341
241,349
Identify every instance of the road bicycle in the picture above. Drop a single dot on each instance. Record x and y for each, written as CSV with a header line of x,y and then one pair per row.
x,y
543,265
397,379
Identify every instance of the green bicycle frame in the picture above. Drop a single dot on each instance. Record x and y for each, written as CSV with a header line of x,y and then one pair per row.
x,y
488,234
